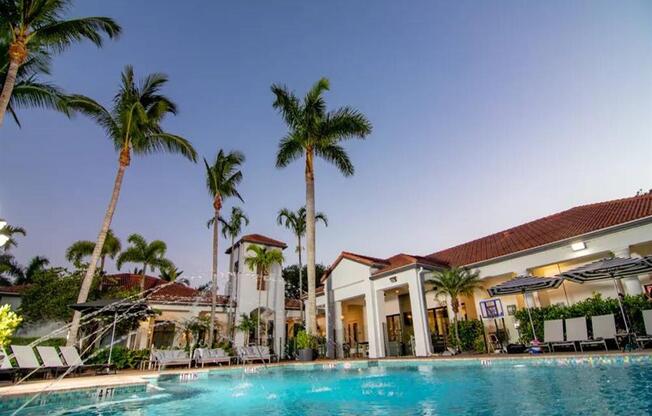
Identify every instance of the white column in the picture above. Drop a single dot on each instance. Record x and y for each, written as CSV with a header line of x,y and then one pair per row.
x,y
423,347
376,321
339,329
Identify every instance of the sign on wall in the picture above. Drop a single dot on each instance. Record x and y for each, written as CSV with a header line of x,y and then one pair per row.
x,y
491,309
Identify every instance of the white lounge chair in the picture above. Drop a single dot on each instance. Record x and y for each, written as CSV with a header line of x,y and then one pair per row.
x,y
604,328
647,320
27,361
211,356
51,359
73,359
576,331
254,353
553,334
163,358
6,369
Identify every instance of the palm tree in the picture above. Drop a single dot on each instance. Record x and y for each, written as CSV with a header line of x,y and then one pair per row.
x,y
171,274
231,228
29,91
315,132
455,282
247,324
222,179
35,26
133,124
84,248
26,274
150,255
9,269
296,222
262,260
11,231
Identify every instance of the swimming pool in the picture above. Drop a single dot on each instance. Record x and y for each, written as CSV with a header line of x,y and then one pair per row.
x,y
587,386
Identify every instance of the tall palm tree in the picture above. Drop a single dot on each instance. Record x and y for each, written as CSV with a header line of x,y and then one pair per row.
x,y
246,325
222,179
231,228
455,282
171,274
26,274
35,26
133,124
9,269
315,132
295,221
150,255
29,91
84,248
11,231
262,260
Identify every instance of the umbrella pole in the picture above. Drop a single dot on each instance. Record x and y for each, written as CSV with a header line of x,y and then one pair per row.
x,y
620,304
115,318
529,315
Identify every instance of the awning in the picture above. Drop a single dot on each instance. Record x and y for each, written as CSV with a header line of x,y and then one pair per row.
x,y
521,284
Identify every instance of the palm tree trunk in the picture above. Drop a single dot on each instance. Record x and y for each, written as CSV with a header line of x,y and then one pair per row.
x,y
303,323
99,244
258,318
310,243
8,87
457,330
141,283
229,316
216,223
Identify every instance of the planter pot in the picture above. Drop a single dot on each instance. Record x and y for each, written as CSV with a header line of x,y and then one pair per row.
x,y
305,354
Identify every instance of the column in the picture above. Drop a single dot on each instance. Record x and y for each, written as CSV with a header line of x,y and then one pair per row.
x,y
339,329
330,320
423,347
375,321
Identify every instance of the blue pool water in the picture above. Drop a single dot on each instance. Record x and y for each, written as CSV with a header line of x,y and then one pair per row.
x,y
417,388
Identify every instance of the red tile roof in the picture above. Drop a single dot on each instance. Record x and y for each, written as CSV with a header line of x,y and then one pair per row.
x,y
294,304
174,292
15,289
402,259
557,227
258,239
359,258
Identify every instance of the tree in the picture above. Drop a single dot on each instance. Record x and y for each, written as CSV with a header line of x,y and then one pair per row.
x,y
247,324
291,277
11,231
39,26
84,248
296,222
232,228
222,179
262,260
315,132
9,269
29,91
171,274
8,323
133,124
51,295
150,255
27,274
455,282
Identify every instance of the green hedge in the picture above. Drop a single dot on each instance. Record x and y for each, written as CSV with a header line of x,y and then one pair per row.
x,y
121,357
471,335
52,342
593,306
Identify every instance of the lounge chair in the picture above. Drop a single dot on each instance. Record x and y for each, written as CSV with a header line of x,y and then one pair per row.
x,y
254,353
604,328
27,361
6,369
576,331
163,358
553,335
647,320
73,359
211,356
51,359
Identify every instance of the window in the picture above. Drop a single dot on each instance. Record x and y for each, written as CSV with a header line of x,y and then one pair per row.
x,y
394,328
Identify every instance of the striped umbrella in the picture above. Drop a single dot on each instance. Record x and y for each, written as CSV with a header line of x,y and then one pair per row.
x,y
613,268
523,284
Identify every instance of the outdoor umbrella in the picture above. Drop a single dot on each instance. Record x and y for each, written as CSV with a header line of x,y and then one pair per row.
x,y
611,268
112,307
524,284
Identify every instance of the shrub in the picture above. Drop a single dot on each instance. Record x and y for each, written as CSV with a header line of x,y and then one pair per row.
x,y
471,335
8,323
121,357
52,342
305,341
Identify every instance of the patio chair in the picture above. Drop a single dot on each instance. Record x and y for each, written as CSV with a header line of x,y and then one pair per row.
x,y
553,335
6,369
604,328
72,358
254,353
211,356
647,320
576,331
51,359
27,361
163,358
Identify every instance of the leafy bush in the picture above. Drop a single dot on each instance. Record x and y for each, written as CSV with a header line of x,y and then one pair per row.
x,y
593,306
121,357
306,341
8,323
52,342
471,335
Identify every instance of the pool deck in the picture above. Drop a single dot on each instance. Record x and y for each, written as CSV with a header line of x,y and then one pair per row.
x,y
138,377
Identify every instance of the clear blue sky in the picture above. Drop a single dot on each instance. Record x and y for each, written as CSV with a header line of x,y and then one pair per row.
x,y
485,114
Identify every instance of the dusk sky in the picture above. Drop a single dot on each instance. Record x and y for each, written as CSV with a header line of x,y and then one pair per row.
x,y
485,115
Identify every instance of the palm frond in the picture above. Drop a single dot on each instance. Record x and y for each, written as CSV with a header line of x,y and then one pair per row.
x,y
59,35
290,149
336,155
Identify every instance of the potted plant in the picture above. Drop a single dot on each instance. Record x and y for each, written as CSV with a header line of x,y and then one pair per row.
x,y
305,346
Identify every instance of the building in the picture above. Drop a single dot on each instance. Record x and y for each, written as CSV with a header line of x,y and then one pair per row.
x,y
386,306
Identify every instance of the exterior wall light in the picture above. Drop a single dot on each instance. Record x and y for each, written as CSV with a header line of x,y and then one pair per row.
x,y
580,245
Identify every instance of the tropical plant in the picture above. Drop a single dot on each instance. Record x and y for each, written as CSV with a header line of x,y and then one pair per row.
x,y
222,179
150,255
470,336
11,231
246,325
133,124
170,274
9,321
29,91
295,221
305,341
294,289
39,26
25,275
84,248
315,132
231,228
262,260
453,283
9,269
